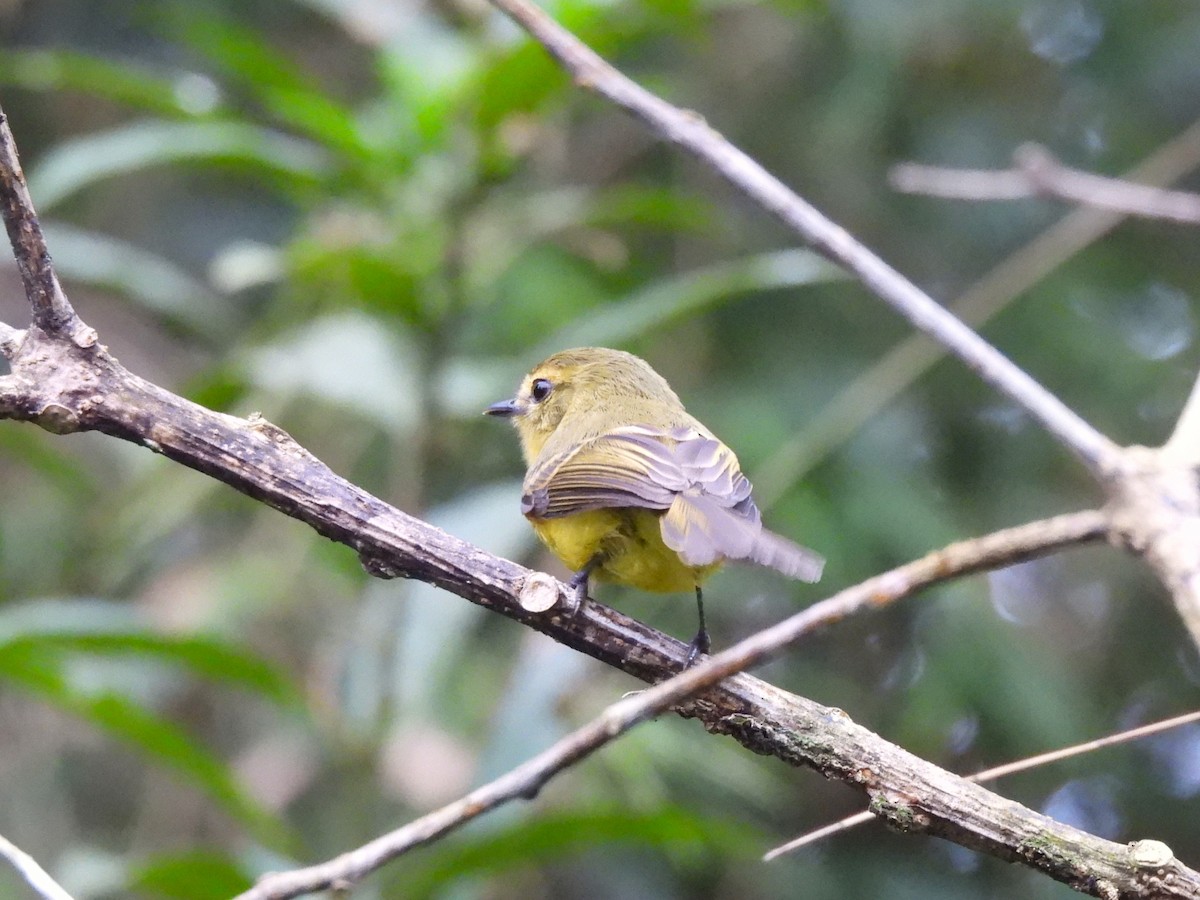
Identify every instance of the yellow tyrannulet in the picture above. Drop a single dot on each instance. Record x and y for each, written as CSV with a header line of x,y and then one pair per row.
x,y
624,485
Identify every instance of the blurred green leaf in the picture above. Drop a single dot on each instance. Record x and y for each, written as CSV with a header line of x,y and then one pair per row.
x,y
206,658
238,51
197,875
283,89
76,164
670,299
522,77
151,281
541,841
184,94
28,448
359,268
335,357
427,68
522,314
320,118
656,207
109,629
518,81
505,226
30,668
430,648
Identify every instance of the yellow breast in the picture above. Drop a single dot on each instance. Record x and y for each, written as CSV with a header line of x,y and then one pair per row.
x,y
632,545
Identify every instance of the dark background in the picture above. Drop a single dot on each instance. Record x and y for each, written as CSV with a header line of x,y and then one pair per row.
x,y
365,220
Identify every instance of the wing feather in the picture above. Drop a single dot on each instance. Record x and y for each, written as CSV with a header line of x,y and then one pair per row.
x,y
708,514
625,467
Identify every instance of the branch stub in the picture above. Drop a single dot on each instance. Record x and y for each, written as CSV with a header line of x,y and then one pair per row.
x,y
539,593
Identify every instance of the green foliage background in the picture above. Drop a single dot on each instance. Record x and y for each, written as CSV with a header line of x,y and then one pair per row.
x,y
366,220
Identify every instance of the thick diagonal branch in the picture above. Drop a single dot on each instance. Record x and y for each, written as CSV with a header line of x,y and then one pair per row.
x,y
1004,547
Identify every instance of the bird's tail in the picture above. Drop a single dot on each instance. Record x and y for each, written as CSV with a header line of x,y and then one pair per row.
x,y
786,556
703,531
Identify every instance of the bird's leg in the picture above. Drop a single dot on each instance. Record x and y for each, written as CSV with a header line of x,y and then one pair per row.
x,y
579,581
700,643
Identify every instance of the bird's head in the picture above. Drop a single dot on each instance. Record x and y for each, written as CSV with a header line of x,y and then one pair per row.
x,y
592,388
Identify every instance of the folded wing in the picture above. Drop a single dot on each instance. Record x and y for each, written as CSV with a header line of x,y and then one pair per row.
x,y
708,514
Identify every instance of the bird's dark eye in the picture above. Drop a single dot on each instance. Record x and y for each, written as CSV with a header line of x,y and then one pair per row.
x,y
540,390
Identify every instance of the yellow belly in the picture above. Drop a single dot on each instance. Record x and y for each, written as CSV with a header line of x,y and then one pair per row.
x,y
632,545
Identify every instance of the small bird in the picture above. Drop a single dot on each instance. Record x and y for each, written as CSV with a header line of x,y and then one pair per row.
x,y
623,485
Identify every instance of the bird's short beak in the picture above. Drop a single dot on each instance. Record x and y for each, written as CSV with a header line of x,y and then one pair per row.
x,y
504,409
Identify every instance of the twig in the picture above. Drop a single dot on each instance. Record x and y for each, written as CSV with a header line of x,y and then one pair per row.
x,y
37,877
52,311
1052,756
1038,174
989,775
1001,548
692,133
960,184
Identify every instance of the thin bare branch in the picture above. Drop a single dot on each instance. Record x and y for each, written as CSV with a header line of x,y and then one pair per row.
x,y
819,834
37,877
1111,740
1038,174
959,184
52,311
1001,548
691,132
994,774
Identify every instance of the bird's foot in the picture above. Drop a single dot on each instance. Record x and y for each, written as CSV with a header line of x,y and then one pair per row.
x,y
699,646
579,592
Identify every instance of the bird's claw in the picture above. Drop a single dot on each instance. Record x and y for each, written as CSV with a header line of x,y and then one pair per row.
x,y
699,646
